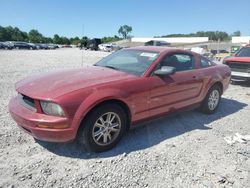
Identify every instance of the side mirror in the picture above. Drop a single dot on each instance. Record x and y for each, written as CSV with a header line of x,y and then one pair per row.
x,y
165,70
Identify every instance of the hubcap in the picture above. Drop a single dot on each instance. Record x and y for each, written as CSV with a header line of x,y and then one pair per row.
x,y
213,99
106,128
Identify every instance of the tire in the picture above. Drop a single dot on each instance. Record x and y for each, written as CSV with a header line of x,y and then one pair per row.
x,y
97,134
212,100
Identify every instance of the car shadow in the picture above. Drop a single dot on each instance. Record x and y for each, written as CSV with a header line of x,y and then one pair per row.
x,y
243,84
151,133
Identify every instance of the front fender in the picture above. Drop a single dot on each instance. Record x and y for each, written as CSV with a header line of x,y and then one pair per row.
x,y
95,98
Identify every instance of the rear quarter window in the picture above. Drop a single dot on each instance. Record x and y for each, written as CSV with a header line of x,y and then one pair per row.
x,y
205,63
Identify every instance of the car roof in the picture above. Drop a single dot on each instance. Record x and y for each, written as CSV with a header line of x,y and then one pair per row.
x,y
160,49
152,48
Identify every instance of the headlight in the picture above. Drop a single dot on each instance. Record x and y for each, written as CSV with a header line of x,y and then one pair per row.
x,y
51,108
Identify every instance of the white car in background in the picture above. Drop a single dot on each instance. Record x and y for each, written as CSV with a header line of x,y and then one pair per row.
x,y
109,47
198,50
105,47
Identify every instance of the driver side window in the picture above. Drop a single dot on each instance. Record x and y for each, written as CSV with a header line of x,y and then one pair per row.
x,y
181,62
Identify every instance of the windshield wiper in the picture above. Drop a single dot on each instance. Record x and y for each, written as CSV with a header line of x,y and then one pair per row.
x,y
107,66
111,67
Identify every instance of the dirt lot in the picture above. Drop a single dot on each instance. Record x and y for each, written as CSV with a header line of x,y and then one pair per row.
x,y
187,150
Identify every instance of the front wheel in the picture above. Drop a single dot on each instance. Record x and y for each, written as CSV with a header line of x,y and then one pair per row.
x,y
212,100
103,128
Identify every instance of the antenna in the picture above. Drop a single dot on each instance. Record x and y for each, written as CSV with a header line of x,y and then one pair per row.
x,y
81,42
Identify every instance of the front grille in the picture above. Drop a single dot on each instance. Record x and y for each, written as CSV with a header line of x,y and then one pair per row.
x,y
239,67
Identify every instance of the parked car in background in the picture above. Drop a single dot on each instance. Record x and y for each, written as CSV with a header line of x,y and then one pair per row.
x,y
66,46
214,52
105,47
116,47
97,104
9,43
219,55
41,46
109,47
235,49
240,64
82,45
93,44
198,50
6,46
52,46
46,46
34,46
156,43
24,45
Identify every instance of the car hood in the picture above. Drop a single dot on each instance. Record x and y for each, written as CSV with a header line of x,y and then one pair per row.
x,y
54,84
238,59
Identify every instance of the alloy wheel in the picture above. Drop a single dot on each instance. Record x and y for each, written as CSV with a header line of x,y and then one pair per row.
x,y
106,129
213,99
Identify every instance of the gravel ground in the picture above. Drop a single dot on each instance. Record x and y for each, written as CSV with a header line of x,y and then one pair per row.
x,y
185,150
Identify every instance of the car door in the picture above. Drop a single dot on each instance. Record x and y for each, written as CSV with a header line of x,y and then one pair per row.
x,y
21,46
181,89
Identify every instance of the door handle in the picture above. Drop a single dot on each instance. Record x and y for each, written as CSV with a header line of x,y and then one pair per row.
x,y
196,77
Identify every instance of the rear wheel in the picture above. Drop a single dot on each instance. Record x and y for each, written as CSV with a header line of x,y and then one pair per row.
x,y
103,128
212,100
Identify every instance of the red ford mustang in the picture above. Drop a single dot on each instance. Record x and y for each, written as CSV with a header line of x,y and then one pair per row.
x,y
97,104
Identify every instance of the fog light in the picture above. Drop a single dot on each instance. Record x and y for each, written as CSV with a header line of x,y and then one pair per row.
x,y
52,126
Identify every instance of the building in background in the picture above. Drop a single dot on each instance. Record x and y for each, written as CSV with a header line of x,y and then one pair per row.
x,y
241,39
173,39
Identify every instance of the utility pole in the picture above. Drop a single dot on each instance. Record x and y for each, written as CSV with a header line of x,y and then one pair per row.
x,y
81,42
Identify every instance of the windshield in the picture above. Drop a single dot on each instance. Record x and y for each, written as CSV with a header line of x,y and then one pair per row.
x,y
131,61
244,52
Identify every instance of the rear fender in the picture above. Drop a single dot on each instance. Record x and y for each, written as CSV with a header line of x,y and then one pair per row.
x,y
220,77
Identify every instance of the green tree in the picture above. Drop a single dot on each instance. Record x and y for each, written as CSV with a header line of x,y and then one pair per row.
x,y
84,39
12,34
200,34
35,36
47,40
57,39
4,34
65,40
110,39
236,33
125,30
75,40
212,35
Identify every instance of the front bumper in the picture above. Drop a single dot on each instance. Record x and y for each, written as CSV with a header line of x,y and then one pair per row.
x,y
28,120
240,76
